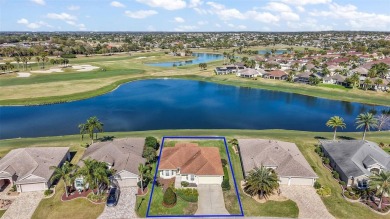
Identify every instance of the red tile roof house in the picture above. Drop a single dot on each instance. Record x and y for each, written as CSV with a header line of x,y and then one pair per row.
x,y
187,162
276,74
29,168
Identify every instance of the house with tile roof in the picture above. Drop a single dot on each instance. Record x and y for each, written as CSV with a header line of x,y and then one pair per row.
x,y
284,157
29,168
188,162
123,155
355,160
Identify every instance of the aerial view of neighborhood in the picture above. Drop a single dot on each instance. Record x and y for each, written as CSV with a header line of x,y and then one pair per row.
x,y
194,109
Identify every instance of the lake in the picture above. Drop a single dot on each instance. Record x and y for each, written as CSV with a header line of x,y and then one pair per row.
x,y
180,104
197,58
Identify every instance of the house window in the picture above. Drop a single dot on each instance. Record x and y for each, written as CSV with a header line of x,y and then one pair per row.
x,y
192,178
166,172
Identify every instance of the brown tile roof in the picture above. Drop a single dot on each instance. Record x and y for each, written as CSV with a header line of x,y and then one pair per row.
x,y
285,156
192,159
122,154
28,165
277,73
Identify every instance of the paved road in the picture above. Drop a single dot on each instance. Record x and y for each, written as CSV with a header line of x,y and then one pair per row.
x,y
309,203
210,201
125,207
24,205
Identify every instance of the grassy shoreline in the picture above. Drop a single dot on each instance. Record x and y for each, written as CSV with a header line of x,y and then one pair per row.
x,y
337,94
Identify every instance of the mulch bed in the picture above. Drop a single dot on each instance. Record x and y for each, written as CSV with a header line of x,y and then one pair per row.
x,y
139,193
168,206
165,183
76,194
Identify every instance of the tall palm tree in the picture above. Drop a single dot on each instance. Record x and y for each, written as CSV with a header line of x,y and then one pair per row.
x,y
64,172
92,125
366,121
381,183
262,182
101,175
17,60
335,122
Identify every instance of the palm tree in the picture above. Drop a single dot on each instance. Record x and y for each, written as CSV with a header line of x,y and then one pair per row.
x,y
141,169
261,181
92,125
381,183
335,122
378,82
64,172
367,82
38,59
17,60
87,172
366,121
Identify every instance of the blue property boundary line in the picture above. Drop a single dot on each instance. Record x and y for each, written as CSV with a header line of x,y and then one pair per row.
x,y
231,168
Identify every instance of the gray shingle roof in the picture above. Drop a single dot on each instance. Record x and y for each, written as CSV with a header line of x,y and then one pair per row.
x,y
28,165
352,155
122,154
285,156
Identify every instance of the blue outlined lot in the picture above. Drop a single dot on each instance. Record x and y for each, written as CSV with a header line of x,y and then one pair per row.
x,y
208,213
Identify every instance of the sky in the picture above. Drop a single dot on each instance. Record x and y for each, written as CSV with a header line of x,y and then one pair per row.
x,y
194,15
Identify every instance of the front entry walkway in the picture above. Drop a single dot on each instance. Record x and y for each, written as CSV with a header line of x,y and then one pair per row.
x,y
309,203
210,201
125,207
24,205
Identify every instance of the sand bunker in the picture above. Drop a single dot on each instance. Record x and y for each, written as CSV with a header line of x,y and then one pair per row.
x,y
142,57
48,71
23,75
84,67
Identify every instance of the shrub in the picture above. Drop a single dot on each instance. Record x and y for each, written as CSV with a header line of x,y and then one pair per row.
x,y
225,185
335,174
185,184
324,191
381,144
97,198
317,185
48,192
318,150
224,162
225,173
189,195
169,197
151,142
342,183
68,56
13,188
149,153
326,160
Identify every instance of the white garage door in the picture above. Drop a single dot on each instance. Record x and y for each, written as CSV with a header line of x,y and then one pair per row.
x,y
127,182
33,187
210,179
301,181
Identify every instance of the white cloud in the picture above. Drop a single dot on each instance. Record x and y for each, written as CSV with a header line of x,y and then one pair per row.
x,y
218,25
117,4
22,21
201,11
309,24
73,7
230,25
226,13
166,4
39,2
179,20
358,20
264,17
300,8
306,2
216,5
202,22
185,28
289,16
140,14
195,3
277,6
62,16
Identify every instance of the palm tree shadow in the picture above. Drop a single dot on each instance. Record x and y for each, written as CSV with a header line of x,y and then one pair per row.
x,y
346,138
107,138
320,138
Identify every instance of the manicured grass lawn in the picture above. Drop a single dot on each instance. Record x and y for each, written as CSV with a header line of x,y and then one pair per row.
x,y
334,86
2,212
181,208
306,141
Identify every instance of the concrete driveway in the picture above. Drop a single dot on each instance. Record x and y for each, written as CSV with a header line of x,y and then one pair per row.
x,y
210,201
309,203
24,205
125,207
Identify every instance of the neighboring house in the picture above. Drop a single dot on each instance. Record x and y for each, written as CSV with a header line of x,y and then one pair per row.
x,y
122,155
335,79
355,160
190,163
29,168
248,73
284,157
305,76
276,74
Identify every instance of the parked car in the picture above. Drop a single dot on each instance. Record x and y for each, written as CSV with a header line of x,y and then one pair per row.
x,y
113,197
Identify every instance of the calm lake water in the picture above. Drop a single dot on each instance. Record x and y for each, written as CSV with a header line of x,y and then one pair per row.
x,y
198,58
180,104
